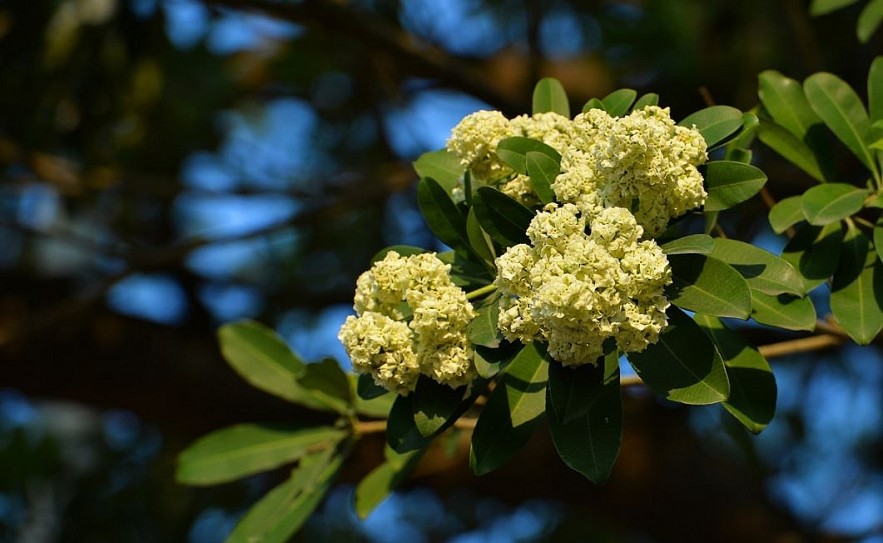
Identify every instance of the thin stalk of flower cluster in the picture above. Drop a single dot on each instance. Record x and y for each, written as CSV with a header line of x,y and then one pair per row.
x,y
479,292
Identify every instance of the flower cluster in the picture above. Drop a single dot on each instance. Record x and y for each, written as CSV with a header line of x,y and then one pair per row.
x,y
411,320
575,290
643,162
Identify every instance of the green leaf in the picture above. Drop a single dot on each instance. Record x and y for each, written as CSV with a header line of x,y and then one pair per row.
x,y
367,389
786,144
618,102
783,311
649,99
513,151
683,366
377,485
764,271
831,202
442,165
730,183
786,213
371,400
483,330
542,170
328,384
570,386
737,148
752,384
501,216
261,357
549,95
869,20
512,411
402,434
442,216
480,242
246,449
283,510
857,284
843,112
594,103
701,244
878,238
434,404
821,7
707,285
590,443
715,123
489,362
784,100
875,90
814,252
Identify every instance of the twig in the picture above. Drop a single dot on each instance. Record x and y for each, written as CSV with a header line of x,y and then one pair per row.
x,y
802,345
378,426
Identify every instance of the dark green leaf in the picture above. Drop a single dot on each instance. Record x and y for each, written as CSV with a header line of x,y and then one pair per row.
x,y
869,20
824,204
261,357
501,216
843,112
542,170
489,362
649,99
783,311
857,284
764,271
402,250
442,216
683,366
442,165
282,511
707,285
821,7
483,329
377,485
512,411
402,434
549,95
513,151
618,102
875,90
730,183
786,213
878,238
570,387
329,384
814,252
479,241
367,389
701,244
737,148
590,442
715,123
594,103
371,400
786,144
434,404
246,449
752,384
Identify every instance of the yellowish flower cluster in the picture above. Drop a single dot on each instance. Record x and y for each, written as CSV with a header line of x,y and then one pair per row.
x,y
411,320
575,290
642,162
475,141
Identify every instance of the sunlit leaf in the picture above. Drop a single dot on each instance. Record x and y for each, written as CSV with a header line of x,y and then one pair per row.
x,y
513,151
821,7
649,99
483,329
869,20
328,383
857,284
752,384
542,170
618,102
246,449
594,103
434,404
402,250
764,271
730,183
701,244
824,204
589,439
442,165
376,486
683,366
715,123
875,91
783,311
786,144
549,95
708,285
786,213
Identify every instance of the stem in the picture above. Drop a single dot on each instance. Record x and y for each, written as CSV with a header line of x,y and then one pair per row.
x,y
479,292
364,427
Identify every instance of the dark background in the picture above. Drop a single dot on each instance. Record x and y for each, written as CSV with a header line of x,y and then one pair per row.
x,y
170,165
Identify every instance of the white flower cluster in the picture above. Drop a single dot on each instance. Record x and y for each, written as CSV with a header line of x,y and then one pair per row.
x,y
384,343
575,290
643,162
475,141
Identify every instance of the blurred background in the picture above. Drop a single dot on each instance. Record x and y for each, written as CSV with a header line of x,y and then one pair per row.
x,y
170,165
